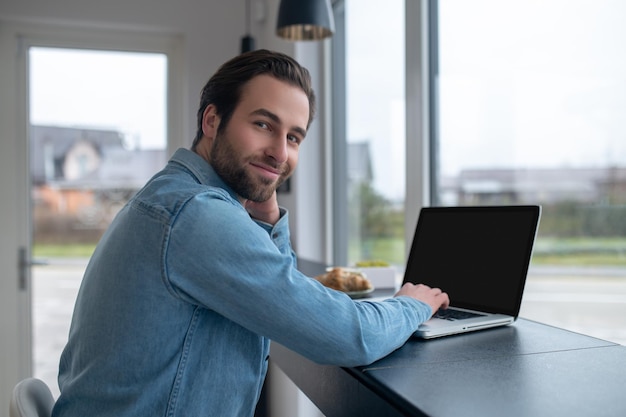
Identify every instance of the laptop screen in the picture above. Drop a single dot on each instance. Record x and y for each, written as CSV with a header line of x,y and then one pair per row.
x,y
478,255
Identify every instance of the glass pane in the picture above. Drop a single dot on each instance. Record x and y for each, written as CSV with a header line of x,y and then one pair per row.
x,y
532,98
97,133
375,130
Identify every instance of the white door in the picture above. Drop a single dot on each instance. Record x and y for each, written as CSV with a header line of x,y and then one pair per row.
x,y
84,124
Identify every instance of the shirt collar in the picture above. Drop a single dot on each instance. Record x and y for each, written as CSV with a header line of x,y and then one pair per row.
x,y
201,169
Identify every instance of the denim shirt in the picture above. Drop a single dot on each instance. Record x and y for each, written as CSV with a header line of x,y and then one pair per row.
x,y
182,296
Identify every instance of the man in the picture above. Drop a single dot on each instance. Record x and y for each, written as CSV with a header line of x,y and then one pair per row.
x,y
196,274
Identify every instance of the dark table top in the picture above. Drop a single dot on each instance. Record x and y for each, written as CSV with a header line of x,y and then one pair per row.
x,y
524,369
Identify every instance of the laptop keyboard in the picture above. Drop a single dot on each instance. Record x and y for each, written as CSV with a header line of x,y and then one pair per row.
x,y
452,315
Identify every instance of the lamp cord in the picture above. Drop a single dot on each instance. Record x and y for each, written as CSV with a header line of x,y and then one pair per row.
x,y
248,23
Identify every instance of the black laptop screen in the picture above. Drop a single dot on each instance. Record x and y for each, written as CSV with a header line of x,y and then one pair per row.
x,y
478,255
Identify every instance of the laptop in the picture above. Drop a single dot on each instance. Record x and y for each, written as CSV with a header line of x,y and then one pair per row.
x,y
480,257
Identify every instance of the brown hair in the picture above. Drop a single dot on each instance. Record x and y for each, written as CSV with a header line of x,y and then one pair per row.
x,y
225,86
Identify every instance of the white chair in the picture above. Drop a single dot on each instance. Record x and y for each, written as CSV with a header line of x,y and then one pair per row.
x,y
31,398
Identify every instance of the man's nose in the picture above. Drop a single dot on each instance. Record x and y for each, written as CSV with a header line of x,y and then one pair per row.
x,y
278,149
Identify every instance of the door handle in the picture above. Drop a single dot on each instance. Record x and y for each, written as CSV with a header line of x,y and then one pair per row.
x,y
24,262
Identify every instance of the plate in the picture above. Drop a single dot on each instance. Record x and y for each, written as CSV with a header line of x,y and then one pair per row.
x,y
360,294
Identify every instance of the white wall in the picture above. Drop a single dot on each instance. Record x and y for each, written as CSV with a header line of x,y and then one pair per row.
x,y
209,32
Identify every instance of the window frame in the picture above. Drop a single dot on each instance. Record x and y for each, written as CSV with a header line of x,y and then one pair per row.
x,y
339,144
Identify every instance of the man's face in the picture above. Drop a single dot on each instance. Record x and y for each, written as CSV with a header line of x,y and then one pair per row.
x,y
258,149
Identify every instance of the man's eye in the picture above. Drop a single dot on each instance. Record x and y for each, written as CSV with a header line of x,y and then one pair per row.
x,y
262,125
293,138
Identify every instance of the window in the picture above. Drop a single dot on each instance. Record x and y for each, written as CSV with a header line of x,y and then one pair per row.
x,y
369,75
531,103
528,105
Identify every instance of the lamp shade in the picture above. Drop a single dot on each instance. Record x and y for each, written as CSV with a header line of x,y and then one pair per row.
x,y
301,20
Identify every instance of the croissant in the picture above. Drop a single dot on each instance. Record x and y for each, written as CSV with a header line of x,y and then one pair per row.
x,y
343,279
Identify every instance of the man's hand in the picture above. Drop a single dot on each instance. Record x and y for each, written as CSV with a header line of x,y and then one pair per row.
x,y
266,211
434,297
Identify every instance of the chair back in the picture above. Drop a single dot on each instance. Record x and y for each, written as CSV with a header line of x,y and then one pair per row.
x,y
31,398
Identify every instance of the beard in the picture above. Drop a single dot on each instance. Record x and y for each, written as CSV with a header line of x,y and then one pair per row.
x,y
231,167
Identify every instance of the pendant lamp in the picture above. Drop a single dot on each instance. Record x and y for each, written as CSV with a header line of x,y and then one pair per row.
x,y
305,20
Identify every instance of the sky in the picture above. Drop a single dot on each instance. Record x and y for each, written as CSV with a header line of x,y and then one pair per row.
x,y
542,82
120,91
522,84
375,88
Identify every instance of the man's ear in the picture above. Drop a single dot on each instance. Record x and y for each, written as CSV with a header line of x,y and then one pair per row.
x,y
210,121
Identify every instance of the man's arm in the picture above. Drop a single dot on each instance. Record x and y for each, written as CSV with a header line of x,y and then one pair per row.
x,y
219,258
